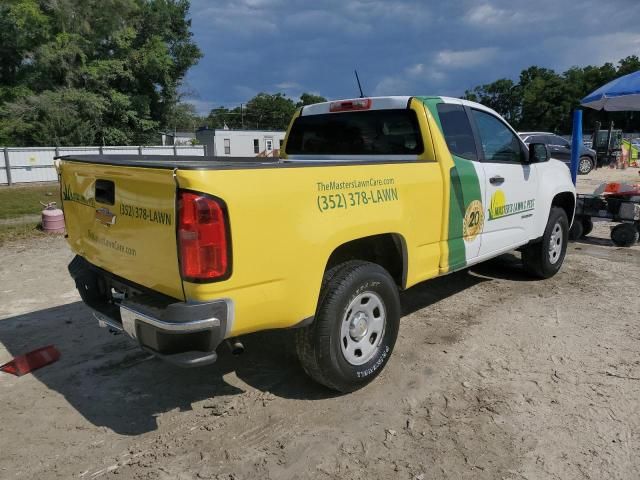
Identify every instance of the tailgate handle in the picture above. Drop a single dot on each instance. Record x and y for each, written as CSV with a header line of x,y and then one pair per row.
x,y
105,192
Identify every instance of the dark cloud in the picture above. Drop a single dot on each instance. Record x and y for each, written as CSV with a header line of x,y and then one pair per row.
x,y
400,47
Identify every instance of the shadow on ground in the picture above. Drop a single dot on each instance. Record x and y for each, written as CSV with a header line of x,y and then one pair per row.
x,y
114,384
602,242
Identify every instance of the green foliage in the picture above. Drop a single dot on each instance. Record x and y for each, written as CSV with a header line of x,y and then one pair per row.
x,y
91,71
264,111
544,99
502,95
183,116
270,111
309,99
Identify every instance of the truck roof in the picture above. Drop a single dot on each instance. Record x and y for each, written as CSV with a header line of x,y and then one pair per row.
x,y
392,102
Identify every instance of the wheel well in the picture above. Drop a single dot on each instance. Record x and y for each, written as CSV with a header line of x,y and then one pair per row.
x,y
387,250
567,202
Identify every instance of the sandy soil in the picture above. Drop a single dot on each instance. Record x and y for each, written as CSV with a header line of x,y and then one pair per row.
x,y
494,376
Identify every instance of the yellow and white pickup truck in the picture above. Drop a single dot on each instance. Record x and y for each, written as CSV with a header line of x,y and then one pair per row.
x,y
370,196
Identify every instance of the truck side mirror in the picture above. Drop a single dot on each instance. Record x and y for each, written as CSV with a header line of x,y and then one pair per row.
x,y
538,153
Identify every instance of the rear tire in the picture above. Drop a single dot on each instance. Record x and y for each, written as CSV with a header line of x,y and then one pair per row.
x,y
624,235
544,259
585,165
582,226
354,329
576,232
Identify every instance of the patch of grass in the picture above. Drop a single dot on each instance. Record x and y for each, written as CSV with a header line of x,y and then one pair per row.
x,y
25,200
9,233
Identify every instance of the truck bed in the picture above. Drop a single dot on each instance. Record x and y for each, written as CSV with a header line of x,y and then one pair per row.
x,y
191,162
184,162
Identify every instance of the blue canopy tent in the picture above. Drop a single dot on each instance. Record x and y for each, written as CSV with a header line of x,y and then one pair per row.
x,y
621,94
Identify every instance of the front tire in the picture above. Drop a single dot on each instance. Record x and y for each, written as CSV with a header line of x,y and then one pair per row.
x,y
354,329
585,165
544,259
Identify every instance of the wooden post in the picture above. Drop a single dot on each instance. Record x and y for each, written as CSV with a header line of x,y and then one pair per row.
x,y
7,164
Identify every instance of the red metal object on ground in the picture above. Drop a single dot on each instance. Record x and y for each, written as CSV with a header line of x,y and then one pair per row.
x,y
28,362
622,189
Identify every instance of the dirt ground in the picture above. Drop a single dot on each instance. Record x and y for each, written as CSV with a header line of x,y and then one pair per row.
x,y
494,376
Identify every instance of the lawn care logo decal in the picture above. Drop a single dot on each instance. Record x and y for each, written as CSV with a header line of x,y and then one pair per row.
x,y
500,208
69,195
473,221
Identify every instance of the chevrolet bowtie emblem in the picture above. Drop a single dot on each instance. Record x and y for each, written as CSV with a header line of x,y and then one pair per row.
x,y
105,217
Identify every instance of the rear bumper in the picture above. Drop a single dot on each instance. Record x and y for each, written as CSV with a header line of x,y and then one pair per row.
x,y
183,333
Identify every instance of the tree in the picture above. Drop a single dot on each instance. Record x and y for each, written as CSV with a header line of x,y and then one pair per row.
x,y
222,117
183,116
503,96
543,99
264,111
127,57
270,111
309,99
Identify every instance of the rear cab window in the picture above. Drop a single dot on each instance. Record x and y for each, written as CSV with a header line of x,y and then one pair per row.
x,y
374,132
457,132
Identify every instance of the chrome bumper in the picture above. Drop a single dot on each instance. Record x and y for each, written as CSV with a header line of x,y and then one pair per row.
x,y
205,324
130,316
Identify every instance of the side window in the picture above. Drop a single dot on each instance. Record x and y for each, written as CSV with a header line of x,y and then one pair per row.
x,y
559,141
499,143
457,130
256,145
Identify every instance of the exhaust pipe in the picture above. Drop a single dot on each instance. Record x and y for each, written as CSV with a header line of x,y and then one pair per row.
x,y
235,345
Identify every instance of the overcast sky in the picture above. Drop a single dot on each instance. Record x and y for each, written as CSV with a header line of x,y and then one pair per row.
x,y
399,47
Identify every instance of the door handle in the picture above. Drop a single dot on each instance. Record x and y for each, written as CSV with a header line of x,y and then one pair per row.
x,y
497,180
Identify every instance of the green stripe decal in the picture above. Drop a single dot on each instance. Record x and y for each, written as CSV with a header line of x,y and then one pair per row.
x,y
465,188
432,104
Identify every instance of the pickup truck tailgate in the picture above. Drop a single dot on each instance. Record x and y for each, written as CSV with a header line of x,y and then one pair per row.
x,y
122,219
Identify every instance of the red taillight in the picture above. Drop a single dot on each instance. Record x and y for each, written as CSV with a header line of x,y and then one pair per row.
x,y
202,237
346,105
